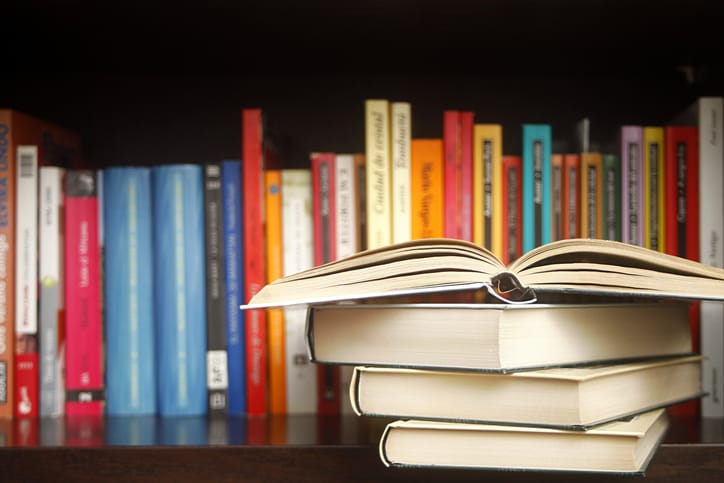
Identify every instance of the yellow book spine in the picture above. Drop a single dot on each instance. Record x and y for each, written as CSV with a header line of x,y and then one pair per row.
x,y
274,267
487,186
427,190
653,174
378,173
401,124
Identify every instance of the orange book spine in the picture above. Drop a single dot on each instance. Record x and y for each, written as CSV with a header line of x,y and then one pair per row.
x,y
571,207
591,195
427,191
557,207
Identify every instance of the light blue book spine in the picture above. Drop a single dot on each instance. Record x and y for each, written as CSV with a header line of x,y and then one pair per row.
x,y
128,287
180,288
235,342
537,139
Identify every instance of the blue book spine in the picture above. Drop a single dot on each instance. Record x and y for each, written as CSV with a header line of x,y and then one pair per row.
x,y
128,286
537,226
180,287
233,271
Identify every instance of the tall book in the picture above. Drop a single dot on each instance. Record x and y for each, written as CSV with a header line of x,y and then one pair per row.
x,y
451,132
487,186
653,187
427,188
274,270
611,164
536,185
84,377
400,137
217,373
179,288
570,196
51,302
26,283
378,173
297,233
128,287
512,213
632,193
360,169
591,195
467,123
556,196
234,283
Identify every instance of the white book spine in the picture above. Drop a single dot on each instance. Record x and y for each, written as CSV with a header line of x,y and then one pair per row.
x,y
711,239
401,137
347,226
378,173
298,255
26,239
50,239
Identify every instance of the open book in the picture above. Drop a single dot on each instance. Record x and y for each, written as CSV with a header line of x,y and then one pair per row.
x,y
576,266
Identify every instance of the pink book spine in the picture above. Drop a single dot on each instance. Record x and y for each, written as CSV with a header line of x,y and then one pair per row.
x,y
84,355
467,119
451,149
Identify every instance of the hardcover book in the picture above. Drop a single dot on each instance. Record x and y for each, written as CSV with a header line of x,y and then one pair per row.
x,y
512,209
400,138
378,173
571,202
611,164
487,187
591,195
537,139
653,187
632,193
427,188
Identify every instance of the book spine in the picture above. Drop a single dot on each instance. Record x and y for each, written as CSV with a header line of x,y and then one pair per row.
x,y
467,123
401,134
347,225
487,221
378,173
452,159
571,190
591,195
217,373
512,204
632,228
611,165
234,282
7,266
536,185
85,393
428,198
274,270
557,196
711,248
653,187
682,191
253,206
128,287
50,281
179,286
297,235
26,283
360,169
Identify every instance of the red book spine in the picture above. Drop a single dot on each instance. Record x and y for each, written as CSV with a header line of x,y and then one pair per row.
x,y
571,190
452,153
681,166
512,208
325,250
83,357
467,119
254,274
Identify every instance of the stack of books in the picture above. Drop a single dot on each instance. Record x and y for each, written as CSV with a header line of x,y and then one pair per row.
x,y
564,360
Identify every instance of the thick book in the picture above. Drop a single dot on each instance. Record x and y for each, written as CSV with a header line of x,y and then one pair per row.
x,y
234,284
378,173
26,283
128,287
576,266
622,447
400,138
632,193
84,367
565,398
217,372
494,338
179,288
537,141
427,192
51,309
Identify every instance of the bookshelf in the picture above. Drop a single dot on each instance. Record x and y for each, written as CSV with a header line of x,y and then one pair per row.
x,y
149,85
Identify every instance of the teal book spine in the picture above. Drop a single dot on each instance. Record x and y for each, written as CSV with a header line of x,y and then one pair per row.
x,y
537,139
180,288
128,287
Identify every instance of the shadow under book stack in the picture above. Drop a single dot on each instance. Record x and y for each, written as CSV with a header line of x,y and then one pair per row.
x,y
516,378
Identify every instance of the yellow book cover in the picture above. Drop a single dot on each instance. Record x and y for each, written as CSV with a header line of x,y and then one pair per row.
x,y
401,135
378,173
591,195
427,188
274,270
653,174
487,186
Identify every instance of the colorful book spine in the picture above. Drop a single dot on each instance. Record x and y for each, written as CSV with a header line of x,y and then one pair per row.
x,y
234,282
50,282
570,196
512,186
128,286
536,185
360,169
26,283
428,190
7,261
347,226
254,271
611,196
632,193
84,385
466,188
487,186
298,242
653,187
401,135
453,160
557,196
179,287
217,372
591,195
275,270
378,173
